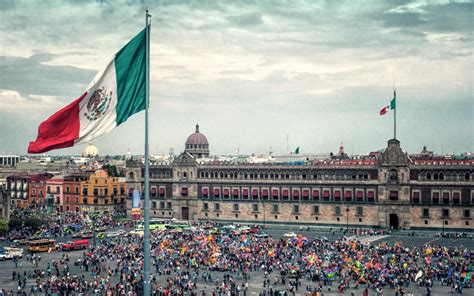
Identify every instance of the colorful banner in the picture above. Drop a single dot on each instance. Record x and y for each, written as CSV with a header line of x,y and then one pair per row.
x,y
136,205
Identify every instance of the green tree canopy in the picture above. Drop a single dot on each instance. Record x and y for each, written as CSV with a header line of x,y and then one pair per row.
x,y
35,223
3,226
15,223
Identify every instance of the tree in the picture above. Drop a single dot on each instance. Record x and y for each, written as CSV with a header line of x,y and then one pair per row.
x,y
111,170
3,226
15,223
34,223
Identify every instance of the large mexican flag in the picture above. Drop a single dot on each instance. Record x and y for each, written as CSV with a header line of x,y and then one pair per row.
x,y
115,94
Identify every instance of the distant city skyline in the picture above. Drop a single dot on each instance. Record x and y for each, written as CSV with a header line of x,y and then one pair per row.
x,y
251,73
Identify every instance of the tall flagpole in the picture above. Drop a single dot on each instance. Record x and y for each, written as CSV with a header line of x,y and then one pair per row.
x,y
146,206
395,115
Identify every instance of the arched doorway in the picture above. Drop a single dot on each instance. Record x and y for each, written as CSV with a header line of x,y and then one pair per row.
x,y
393,221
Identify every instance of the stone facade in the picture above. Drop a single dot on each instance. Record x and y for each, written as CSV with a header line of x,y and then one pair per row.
x,y
393,190
4,204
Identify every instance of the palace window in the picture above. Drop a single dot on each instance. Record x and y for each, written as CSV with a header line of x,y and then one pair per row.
x,y
315,194
254,207
296,194
255,194
226,193
326,195
236,207
205,206
445,213
348,195
426,213
416,197
337,211
296,208
456,198
360,211
435,197
393,195
316,210
275,208
161,191
235,193
305,194
217,207
168,205
371,196
445,198
467,213
275,194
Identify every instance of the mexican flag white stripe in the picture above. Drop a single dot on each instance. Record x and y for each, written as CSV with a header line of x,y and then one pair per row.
x,y
104,85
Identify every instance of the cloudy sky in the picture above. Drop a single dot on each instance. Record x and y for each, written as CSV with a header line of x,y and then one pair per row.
x,y
251,72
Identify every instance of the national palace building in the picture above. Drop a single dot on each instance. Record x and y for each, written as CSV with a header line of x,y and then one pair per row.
x,y
386,189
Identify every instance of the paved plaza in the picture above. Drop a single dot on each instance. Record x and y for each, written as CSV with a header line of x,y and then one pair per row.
x,y
255,282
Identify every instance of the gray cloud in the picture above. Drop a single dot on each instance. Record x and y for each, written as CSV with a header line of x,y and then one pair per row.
x,y
30,76
318,70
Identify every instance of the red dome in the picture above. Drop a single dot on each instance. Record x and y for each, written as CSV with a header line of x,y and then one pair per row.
x,y
197,138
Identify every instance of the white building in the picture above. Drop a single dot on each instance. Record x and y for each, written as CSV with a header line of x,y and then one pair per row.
x,y
9,160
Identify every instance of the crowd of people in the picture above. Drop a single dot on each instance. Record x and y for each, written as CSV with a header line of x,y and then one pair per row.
x,y
205,260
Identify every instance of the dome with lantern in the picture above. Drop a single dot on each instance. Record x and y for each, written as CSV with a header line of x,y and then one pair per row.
x,y
197,144
90,151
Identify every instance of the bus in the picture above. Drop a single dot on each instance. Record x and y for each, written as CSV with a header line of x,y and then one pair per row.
x,y
154,224
42,245
181,224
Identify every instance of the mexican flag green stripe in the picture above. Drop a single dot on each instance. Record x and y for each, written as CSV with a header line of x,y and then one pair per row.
x,y
130,75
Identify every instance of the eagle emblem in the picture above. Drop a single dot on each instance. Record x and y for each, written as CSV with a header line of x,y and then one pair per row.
x,y
98,103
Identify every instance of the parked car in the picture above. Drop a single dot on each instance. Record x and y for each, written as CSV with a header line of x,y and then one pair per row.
x,y
87,235
101,229
17,237
10,253
290,234
117,233
254,230
76,235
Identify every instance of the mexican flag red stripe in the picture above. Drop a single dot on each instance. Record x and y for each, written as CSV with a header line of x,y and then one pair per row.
x,y
115,94
384,110
391,106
